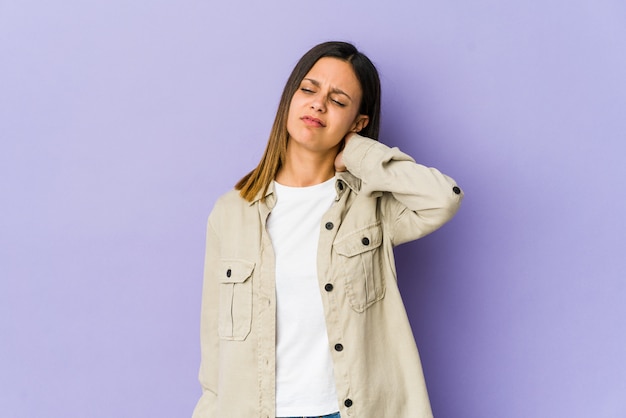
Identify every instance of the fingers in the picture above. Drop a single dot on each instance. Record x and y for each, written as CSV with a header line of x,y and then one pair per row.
x,y
339,165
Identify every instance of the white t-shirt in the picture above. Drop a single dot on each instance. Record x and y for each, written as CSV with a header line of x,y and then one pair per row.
x,y
305,385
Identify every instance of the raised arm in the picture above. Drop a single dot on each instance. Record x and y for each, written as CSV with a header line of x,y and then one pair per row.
x,y
416,199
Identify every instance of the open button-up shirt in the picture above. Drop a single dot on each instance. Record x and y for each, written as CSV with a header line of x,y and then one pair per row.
x,y
383,199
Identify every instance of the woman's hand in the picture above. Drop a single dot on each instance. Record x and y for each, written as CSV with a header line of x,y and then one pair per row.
x,y
339,165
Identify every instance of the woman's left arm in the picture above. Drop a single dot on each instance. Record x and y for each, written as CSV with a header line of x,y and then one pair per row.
x,y
423,198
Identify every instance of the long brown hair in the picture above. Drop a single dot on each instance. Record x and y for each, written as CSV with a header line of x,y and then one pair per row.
x,y
273,158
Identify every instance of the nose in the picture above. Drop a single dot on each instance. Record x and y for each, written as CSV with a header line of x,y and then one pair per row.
x,y
318,104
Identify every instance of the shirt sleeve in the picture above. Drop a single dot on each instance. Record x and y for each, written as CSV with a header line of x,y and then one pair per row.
x,y
209,341
416,200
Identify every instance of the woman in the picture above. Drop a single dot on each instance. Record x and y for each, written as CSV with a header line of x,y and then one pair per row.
x,y
301,313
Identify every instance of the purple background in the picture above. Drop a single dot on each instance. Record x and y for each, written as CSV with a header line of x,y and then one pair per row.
x,y
122,121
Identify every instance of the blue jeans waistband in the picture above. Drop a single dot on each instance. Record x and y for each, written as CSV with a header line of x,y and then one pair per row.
x,y
335,415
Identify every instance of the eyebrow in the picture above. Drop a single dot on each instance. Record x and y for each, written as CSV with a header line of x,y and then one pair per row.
x,y
332,90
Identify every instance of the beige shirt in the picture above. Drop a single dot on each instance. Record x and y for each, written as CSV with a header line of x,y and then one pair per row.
x,y
383,200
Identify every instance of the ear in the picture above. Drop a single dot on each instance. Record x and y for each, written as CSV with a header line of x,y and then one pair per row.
x,y
360,123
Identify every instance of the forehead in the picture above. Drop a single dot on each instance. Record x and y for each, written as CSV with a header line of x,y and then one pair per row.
x,y
335,73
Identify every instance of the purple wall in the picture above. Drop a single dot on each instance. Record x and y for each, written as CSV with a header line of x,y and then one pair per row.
x,y
122,121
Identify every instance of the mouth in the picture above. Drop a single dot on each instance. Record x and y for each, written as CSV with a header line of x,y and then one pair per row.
x,y
311,121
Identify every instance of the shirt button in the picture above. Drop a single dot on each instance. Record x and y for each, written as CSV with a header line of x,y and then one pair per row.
x,y
365,241
228,273
348,403
340,185
328,287
456,190
338,347
329,225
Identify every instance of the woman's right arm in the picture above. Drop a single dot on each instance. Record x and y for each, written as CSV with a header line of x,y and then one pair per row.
x,y
209,341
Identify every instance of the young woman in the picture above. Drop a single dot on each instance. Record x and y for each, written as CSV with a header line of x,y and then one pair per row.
x,y
301,313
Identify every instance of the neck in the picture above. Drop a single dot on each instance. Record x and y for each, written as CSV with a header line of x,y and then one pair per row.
x,y
302,169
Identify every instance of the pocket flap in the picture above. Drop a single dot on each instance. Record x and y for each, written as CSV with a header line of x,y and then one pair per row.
x,y
360,241
235,271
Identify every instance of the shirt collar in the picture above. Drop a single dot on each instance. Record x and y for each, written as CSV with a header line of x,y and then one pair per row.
x,y
345,178
342,178
260,195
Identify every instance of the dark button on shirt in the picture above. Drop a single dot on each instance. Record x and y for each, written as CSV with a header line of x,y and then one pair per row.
x,y
329,225
365,241
456,190
328,287
340,185
338,347
228,273
348,403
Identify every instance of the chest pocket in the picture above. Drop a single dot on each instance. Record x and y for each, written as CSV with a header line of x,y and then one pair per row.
x,y
360,257
235,308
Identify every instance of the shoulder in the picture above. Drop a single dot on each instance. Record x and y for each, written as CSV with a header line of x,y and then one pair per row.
x,y
231,198
228,202
234,221
231,207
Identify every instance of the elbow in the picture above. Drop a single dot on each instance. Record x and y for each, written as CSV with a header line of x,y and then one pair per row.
x,y
444,208
451,202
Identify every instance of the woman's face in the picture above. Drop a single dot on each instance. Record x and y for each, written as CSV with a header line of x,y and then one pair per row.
x,y
325,107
